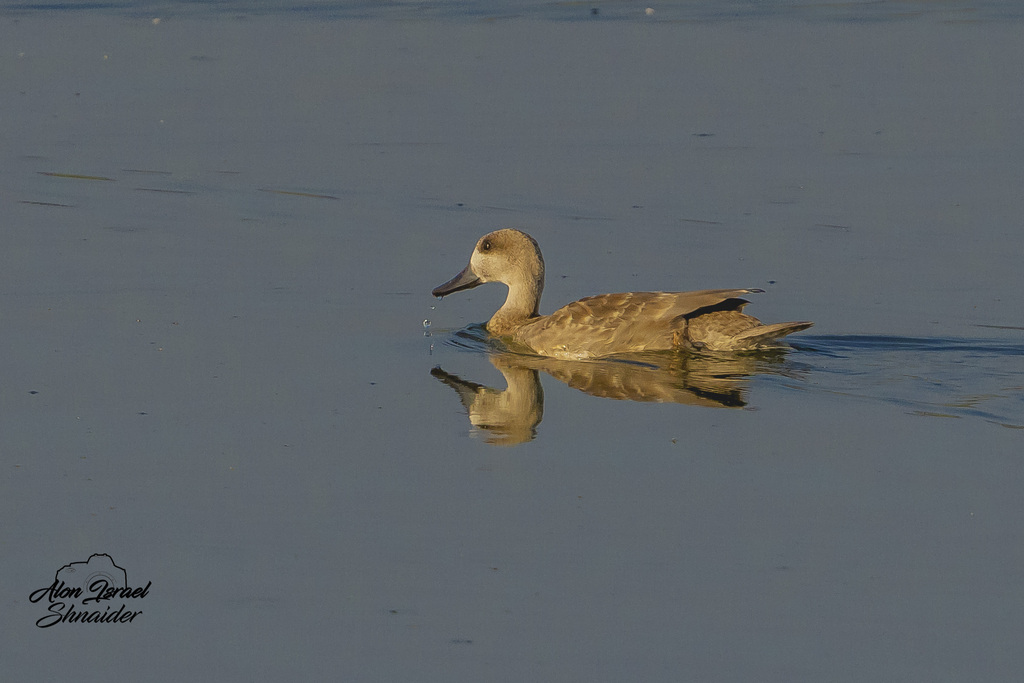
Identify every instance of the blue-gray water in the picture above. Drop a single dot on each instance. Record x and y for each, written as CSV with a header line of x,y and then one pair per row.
x,y
222,223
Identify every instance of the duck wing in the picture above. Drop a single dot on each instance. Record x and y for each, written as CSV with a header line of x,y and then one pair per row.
x,y
628,322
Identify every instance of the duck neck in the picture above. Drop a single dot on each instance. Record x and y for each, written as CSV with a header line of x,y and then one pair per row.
x,y
520,305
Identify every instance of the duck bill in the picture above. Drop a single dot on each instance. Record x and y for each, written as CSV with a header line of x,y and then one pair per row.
x,y
467,279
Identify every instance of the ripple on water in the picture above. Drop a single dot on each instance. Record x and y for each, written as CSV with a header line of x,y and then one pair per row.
x,y
928,376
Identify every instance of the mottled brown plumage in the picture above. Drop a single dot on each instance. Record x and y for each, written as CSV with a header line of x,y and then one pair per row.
x,y
607,324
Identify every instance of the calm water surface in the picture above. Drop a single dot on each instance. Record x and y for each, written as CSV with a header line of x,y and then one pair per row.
x,y
221,231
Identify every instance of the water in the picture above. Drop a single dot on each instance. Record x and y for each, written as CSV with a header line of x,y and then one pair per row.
x,y
216,369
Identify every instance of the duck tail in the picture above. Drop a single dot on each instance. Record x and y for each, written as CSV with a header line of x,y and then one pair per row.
x,y
765,334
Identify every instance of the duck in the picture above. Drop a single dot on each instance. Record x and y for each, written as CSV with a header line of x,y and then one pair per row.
x,y
709,320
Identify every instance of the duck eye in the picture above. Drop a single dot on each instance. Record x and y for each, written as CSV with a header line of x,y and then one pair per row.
x,y
486,246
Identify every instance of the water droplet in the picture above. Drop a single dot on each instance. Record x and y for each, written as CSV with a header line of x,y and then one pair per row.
x,y
426,324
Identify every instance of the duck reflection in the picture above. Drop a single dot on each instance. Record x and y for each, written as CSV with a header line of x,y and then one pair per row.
x,y
510,416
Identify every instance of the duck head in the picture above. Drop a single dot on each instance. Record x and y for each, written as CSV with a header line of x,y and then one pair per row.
x,y
508,256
